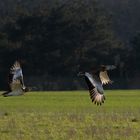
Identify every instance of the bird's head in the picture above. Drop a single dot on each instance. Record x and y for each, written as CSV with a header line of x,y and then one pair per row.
x,y
102,67
26,89
81,74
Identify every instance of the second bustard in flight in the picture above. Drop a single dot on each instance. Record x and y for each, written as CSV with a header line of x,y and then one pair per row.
x,y
95,82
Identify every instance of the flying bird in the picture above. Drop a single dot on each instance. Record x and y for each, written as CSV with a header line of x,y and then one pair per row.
x,y
95,82
15,81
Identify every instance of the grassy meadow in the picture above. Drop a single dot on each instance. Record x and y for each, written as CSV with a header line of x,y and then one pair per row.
x,y
70,115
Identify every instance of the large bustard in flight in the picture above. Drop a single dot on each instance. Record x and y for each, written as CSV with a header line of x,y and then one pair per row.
x,y
95,82
15,81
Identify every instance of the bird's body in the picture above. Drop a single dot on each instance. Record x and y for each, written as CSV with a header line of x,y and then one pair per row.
x,y
16,82
95,82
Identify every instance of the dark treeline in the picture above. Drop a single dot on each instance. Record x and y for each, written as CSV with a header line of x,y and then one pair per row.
x,y
55,39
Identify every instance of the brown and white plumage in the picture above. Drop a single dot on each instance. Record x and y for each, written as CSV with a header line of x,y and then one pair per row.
x,y
104,75
95,83
16,82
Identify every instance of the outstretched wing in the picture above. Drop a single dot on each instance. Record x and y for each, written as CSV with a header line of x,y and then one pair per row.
x,y
16,75
16,83
96,97
16,71
94,88
104,77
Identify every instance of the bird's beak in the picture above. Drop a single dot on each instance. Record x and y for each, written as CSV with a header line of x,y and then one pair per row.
x,y
33,88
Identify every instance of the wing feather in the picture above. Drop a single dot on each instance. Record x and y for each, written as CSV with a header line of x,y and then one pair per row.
x,y
104,77
16,71
96,97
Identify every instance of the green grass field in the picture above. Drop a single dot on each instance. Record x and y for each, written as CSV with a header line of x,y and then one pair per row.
x,y
70,116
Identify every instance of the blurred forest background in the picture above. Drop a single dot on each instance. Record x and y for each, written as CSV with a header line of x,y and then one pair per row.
x,y
54,39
